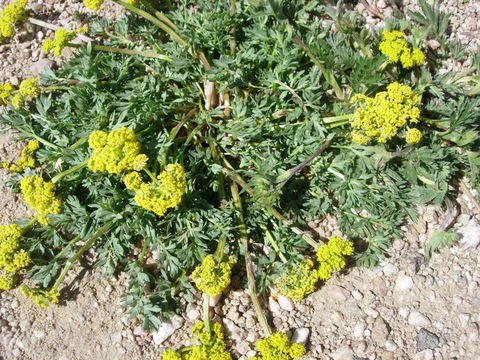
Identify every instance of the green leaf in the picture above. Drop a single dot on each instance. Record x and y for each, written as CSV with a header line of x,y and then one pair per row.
x,y
439,240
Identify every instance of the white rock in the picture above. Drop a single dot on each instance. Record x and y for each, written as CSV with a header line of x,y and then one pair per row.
x,y
39,334
116,337
464,318
301,335
338,293
357,295
285,303
403,283
343,353
358,330
37,67
470,237
424,355
403,311
193,314
167,329
139,331
230,327
418,319
273,305
214,300
390,269
390,345
371,312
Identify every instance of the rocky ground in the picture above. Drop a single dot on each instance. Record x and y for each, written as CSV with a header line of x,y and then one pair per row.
x,y
402,309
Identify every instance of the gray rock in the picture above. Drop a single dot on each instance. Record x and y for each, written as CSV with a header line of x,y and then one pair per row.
x,y
214,300
424,355
359,330
380,331
418,319
116,338
39,66
343,353
243,347
390,269
390,345
301,335
470,237
193,314
426,340
139,331
357,295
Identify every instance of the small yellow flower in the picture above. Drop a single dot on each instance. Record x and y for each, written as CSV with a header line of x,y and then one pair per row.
x,y
82,30
61,39
27,158
277,347
397,49
41,297
413,136
93,4
7,281
331,256
40,195
133,180
212,276
6,90
17,100
28,87
299,281
9,16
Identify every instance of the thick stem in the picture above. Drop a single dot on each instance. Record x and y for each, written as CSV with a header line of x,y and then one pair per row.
x,y
274,244
67,172
149,54
206,311
159,15
233,29
80,252
335,119
248,262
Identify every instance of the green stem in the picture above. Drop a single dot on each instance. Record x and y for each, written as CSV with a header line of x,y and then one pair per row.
x,y
335,119
40,139
150,174
53,88
67,172
149,54
66,248
159,15
78,143
274,244
29,225
70,262
248,262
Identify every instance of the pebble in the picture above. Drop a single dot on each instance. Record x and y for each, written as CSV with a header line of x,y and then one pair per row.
x,y
273,305
390,269
39,66
243,347
116,338
403,283
214,300
357,295
139,331
338,293
403,311
418,319
301,335
380,331
193,314
390,345
470,237
343,353
358,330
285,303
424,355
426,340
166,329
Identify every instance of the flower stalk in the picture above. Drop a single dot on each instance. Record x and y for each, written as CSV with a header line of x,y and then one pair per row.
x,y
70,171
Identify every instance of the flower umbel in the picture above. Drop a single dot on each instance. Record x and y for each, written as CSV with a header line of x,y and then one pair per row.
x,y
9,16
115,151
277,347
380,118
161,194
212,276
12,257
299,281
397,49
332,256
41,297
413,136
93,4
27,158
61,39
40,195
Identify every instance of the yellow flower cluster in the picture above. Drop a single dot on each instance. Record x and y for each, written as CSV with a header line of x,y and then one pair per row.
x,y
212,345
27,158
212,276
12,257
332,256
115,151
61,39
413,136
93,4
299,281
163,193
28,89
40,195
42,298
277,347
9,16
397,49
380,118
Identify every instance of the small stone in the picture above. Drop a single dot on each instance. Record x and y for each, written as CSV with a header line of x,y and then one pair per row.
x,y
470,237
273,305
381,4
390,269
285,303
193,314
14,304
116,338
433,44
166,329
463,219
230,327
418,319
359,347
338,293
387,355
343,353
371,312
301,335
403,283
472,332
424,355
380,287
250,354
39,66
357,295
243,347
358,330
380,331
139,331
214,300
403,311
39,334
390,345
426,340
464,319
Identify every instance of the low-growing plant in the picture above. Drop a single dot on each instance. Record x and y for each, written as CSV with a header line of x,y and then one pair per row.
x,y
226,127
